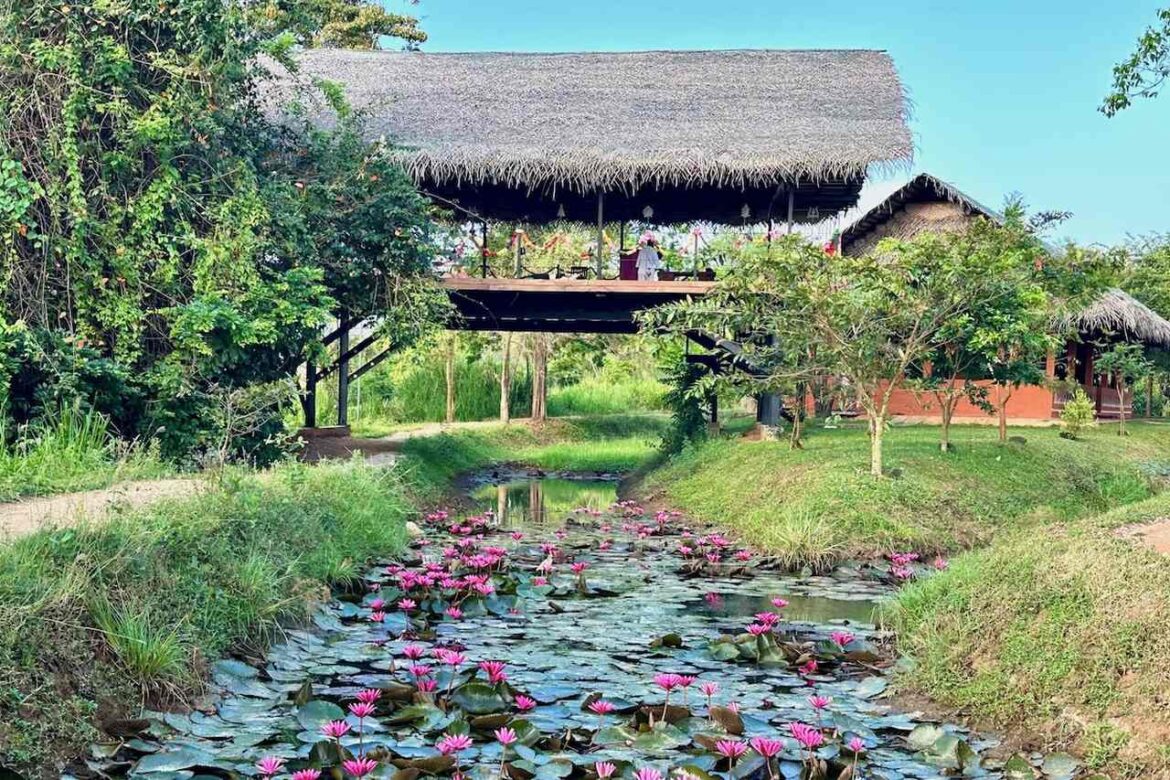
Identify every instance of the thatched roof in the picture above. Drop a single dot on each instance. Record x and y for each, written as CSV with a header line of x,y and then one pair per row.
x,y
1118,314
904,214
563,125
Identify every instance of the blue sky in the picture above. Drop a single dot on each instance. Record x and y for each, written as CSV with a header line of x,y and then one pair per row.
x,y
1005,92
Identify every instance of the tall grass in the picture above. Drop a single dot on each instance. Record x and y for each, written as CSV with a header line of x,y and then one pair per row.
x,y
135,605
596,395
73,450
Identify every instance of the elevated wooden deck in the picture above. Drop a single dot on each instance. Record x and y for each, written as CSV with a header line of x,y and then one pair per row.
x,y
561,305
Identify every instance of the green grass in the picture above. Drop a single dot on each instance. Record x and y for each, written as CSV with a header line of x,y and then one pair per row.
x,y
597,396
73,451
818,504
96,618
1059,632
608,443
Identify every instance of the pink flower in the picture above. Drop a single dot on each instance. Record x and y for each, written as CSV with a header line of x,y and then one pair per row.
x,y
361,709
604,769
856,745
809,667
420,670
686,680
709,689
758,629
601,707
647,773
335,729
667,682
941,564
505,736
427,685
730,748
413,652
494,670
407,604
525,703
450,657
269,765
841,638
806,735
604,544
377,616
779,603
369,695
767,618
579,567
377,604
766,746
743,555
453,612
819,702
453,743
306,774
359,767
517,535
538,581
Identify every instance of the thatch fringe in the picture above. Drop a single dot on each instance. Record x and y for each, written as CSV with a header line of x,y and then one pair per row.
x,y
1116,313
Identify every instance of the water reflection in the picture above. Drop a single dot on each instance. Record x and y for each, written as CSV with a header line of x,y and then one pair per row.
x,y
535,502
811,609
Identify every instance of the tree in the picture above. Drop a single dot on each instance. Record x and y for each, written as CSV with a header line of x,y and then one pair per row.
x,y
1127,364
506,379
1144,72
345,24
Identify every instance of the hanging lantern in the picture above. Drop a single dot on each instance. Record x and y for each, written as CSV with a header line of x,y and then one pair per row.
x,y
746,211
648,212
814,212
561,211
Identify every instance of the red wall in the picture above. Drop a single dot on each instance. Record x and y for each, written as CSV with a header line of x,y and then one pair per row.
x,y
1028,402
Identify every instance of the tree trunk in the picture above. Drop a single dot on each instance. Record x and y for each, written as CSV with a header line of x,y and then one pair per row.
x,y
876,429
1001,398
539,377
450,374
947,408
506,381
1150,397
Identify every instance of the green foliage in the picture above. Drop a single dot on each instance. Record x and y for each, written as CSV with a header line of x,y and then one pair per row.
x,y
163,243
1143,72
687,422
1078,413
139,602
342,24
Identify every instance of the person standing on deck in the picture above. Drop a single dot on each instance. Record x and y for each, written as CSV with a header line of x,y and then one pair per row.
x,y
649,259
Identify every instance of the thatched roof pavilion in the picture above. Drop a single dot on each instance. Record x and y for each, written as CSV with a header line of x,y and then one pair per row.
x,y
664,136
1119,315
923,204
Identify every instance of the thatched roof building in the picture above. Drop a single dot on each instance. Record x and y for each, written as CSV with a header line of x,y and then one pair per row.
x,y
666,135
924,204
1119,315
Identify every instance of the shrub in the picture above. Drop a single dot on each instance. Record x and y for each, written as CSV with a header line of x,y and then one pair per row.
x,y
1078,414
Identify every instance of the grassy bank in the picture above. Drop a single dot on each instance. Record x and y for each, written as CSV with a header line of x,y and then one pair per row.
x,y
818,505
1058,632
608,443
95,619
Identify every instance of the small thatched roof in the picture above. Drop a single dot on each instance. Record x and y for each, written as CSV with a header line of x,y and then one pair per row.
x,y
1116,313
907,211
741,124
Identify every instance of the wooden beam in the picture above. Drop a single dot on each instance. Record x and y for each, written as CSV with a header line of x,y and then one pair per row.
x,y
343,373
372,362
353,352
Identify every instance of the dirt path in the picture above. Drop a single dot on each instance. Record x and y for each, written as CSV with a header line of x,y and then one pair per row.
x,y
23,517
1154,535
384,450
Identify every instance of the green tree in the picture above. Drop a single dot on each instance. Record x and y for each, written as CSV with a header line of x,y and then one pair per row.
x,y
1143,73
1127,364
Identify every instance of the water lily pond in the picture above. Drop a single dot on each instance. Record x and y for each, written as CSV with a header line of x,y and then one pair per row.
x,y
555,633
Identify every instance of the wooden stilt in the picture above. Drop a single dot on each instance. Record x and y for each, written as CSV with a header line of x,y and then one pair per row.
x,y
791,209
309,402
600,234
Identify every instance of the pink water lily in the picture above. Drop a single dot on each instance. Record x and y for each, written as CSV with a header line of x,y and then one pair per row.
x,y
407,604
525,703
361,709
452,743
494,670
819,702
335,729
647,773
269,766
377,616
604,769
767,748
306,774
730,749
505,736
855,744
368,695
811,738
455,613
758,629
359,767
413,652
779,603
841,638
601,707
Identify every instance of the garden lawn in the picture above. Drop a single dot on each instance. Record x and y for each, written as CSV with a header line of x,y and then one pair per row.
x,y
94,619
819,505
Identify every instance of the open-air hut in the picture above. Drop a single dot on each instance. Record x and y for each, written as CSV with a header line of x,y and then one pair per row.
x,y
663,137
927,203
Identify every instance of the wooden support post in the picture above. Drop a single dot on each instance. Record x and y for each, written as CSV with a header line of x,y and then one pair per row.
x,y
600,234
516,252
343,371
483,250
506,380
791,209
309,403
622,238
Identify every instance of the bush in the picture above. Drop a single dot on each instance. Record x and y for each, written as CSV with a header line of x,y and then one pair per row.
x,y
1078,413
169,586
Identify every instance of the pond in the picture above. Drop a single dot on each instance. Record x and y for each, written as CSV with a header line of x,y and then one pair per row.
x,y
556,633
